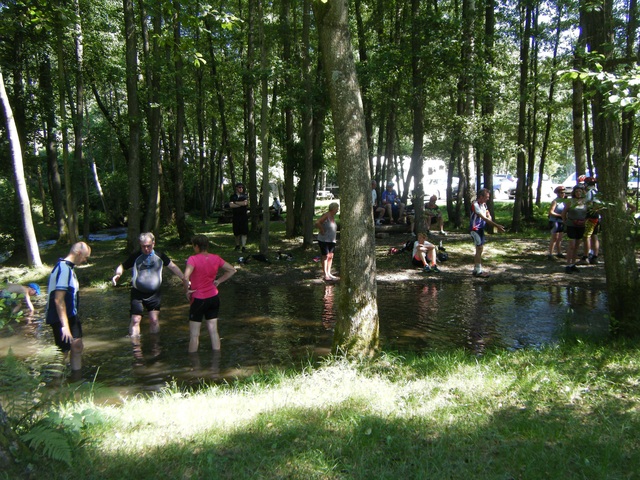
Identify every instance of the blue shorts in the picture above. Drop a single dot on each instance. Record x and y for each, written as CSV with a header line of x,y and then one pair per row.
x,y
206,308
478,237
556,226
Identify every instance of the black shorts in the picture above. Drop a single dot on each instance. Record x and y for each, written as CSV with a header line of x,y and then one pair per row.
x,y
141,301
75,325
240,225
326,247
206,308
575,233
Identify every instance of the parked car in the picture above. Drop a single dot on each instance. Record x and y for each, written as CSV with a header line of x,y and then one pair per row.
x,y
546,191
632,185
502,182
324,195
438,187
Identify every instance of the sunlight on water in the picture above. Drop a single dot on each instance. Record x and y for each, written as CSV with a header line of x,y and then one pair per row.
x,y
262,326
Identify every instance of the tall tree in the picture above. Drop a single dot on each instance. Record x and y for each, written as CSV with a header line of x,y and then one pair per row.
x,y
356,333
131,55
31,244
620,267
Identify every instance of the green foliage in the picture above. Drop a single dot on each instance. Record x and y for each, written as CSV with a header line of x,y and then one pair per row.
x,y
52,442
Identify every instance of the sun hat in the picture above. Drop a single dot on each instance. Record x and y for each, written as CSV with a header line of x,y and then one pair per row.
x,y
559,188
35,287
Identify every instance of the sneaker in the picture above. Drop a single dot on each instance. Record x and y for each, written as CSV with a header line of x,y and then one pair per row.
x,y
593,259
549,257
426,269
582,261
244,249
413,234
560,255
571,269
442,232
237,248
378,221
435,269
480,274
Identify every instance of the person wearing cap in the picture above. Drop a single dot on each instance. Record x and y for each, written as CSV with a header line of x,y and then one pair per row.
x,y
555,222
26,291
239,207
392,204
480,218
574,217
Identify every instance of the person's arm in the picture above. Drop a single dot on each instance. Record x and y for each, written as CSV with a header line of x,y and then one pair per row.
x,y
320,223
487,218
185,280
61,309
228,272
27,300
176,270
238,203
552,209
118,273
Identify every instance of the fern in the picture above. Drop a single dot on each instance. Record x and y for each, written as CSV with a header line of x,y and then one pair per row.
x,y
53,443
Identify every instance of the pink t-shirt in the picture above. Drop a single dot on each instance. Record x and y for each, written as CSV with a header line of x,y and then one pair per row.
x,y
205,269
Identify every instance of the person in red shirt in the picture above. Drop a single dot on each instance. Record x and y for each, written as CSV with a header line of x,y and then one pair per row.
x,y
201,287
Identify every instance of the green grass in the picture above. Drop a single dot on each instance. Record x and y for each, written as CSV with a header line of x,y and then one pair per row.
x,y
569,411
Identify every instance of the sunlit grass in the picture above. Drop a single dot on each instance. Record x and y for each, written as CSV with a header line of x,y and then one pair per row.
x,y
569,411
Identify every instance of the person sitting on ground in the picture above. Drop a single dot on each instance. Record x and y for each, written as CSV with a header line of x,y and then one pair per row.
x,y
277,209
378,211
14,302
433,215
424,254
393,206
555,222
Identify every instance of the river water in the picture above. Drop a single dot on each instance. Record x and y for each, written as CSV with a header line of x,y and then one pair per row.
x,y
262,326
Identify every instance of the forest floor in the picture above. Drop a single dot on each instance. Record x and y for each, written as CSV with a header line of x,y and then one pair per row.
x,y
507,260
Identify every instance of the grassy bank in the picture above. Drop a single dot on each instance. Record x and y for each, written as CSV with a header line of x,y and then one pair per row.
x,y
569,411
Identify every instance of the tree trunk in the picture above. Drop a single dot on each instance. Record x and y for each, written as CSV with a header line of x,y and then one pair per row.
x,y
53,172
620,265
30,241
418,115
522,114
264,135
133,230
488,98
152,216
356,333
181,219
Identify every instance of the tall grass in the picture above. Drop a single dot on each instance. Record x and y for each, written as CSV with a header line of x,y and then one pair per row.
x,y
569,411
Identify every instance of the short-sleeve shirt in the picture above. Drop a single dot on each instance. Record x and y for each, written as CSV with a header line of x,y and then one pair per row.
x,y
146,274
63,277
477,222
431,211
205,270
389,196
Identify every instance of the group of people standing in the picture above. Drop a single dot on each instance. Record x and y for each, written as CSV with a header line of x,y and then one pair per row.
x,y
579,217
200,281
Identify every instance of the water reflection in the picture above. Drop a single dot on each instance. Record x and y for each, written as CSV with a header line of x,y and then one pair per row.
x,y
277,325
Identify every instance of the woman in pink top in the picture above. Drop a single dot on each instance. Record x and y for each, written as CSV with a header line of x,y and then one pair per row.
x,y
201,287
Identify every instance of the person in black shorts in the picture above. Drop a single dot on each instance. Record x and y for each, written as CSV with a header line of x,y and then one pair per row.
x,y
146,282
239,207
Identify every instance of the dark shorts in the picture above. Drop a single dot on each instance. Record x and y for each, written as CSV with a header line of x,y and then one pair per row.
x,y
416,262
75,325
206,308
326,247
141,301
240,225
575,233
556,226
